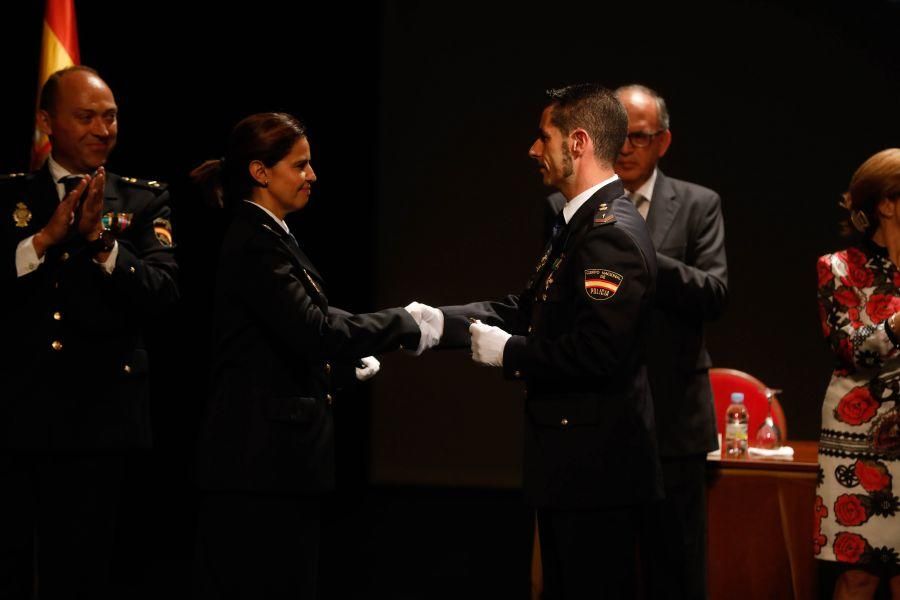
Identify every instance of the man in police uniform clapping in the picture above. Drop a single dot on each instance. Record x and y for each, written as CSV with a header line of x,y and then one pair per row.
x,y
88,259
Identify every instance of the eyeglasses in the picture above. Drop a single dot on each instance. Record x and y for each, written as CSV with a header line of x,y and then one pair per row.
x,y
642,139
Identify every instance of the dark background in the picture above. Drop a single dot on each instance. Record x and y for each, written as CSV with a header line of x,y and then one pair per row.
x,y
420,117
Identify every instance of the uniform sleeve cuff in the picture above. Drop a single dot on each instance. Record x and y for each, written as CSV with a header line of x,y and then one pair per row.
x,y
514,358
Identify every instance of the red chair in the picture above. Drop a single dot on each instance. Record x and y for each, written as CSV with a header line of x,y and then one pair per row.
x,y
726,381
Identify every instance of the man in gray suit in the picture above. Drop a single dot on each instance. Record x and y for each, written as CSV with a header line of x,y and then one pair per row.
x,y
686,226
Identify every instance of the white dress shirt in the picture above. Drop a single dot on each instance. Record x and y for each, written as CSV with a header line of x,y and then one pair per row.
x,y
643,195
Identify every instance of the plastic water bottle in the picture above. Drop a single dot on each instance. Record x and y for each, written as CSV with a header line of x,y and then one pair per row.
x,y
736,419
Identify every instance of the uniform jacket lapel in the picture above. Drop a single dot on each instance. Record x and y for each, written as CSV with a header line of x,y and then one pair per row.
x,y
43,195
300,258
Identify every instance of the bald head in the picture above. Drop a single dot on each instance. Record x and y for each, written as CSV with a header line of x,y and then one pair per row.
x,y
79,114
648,135
642,95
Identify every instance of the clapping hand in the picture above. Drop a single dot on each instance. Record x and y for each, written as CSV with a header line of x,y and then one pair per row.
x,y
57,228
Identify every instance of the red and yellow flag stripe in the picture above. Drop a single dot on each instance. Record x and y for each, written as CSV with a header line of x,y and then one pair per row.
x,y
602,284
59,49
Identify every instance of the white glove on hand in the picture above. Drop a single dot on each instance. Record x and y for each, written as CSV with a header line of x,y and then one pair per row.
x,y
372,366
431,325
488,343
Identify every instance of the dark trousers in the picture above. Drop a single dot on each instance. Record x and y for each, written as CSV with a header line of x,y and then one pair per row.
x,y
257,546
589,553
673,534
57,524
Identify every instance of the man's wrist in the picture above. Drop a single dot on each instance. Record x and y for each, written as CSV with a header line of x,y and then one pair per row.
x,y
101,242
41,242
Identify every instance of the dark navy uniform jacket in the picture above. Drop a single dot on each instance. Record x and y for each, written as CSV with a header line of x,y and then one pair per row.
x,y
277,350
579,332
75,364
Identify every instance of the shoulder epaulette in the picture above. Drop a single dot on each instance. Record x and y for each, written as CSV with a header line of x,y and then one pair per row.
x,y
604,215
13,176
156,186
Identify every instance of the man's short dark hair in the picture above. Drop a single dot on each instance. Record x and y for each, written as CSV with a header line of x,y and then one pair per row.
x,y
50,91
595,109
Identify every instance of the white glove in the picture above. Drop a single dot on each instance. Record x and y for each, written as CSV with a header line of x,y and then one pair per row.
x,y
488,343
431,325
372,366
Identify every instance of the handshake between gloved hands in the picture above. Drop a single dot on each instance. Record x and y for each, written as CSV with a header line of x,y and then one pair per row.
x,y
487,341
431,325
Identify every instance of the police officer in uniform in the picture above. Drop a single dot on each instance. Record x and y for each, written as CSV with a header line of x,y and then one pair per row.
x,y
576,336
88,260
280,353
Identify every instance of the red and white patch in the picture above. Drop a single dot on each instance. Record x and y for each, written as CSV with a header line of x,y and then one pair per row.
x,y
601,284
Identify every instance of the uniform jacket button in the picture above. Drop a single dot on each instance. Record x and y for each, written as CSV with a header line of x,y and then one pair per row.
x,y
329,399
57,316
564,422
56,345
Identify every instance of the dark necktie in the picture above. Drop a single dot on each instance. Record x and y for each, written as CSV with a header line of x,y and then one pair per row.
x,y
70,182
559,225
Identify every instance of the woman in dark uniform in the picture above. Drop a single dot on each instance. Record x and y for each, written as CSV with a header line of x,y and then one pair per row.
x,y
266,451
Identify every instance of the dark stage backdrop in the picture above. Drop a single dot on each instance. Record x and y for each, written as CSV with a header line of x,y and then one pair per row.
x,y
421,115
772,107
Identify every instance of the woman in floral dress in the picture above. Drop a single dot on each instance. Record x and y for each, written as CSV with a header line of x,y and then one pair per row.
x,y
857,504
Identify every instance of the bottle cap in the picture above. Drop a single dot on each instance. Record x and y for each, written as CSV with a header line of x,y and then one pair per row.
x,y
737,398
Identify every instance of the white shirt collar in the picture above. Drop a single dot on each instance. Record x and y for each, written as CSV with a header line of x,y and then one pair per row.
x,y
646,190
575,203
271,214
57,172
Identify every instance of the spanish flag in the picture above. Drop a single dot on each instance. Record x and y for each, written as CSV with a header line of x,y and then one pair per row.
x,y
59,49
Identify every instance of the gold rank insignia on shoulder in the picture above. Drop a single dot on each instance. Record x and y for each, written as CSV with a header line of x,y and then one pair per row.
x,y
21,215
603,216
163,230
152,184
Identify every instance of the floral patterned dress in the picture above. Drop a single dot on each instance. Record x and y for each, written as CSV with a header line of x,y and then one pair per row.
x,y
856,500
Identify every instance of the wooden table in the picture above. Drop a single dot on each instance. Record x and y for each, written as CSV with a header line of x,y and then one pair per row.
x,y
760,525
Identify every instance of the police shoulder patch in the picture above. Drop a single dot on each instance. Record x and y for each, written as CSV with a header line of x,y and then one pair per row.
x,y
163,230
601,284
